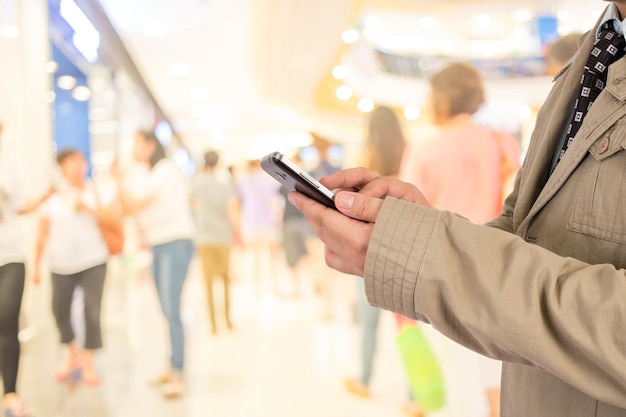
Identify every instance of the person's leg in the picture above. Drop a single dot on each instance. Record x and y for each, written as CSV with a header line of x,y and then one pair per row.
x,y
208,269
368,318
63,287
224,262
11,291
178,255
92,282
368,321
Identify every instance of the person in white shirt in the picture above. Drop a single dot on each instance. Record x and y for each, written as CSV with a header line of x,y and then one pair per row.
x,y
70,235
12,277
162,207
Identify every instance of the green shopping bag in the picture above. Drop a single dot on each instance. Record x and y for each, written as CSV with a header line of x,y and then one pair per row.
x,y
425,376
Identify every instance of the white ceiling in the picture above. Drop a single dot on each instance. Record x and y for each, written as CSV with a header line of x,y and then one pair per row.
x,y
253,65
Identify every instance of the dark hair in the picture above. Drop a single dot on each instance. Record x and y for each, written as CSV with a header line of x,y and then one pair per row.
x,y
385,141
460,86
66,153
211,158
159,150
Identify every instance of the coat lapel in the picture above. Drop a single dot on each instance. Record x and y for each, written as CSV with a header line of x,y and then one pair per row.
x,y
608,108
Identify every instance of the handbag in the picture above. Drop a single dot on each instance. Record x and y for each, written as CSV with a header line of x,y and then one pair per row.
x,y
113,228
425,376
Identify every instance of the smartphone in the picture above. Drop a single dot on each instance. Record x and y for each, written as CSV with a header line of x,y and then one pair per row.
x,y
293,178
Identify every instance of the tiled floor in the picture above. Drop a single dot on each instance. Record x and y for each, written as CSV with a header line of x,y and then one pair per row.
x,y
283,359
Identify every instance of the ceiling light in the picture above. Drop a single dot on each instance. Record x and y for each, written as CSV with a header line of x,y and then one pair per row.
x,y
66,82
198,93
563,15
366,105
51,67
155,29
523,15
412,112
81,93
350,36
178,69
341,72
427,23
483,20
343,93
9,31
51,96
372,22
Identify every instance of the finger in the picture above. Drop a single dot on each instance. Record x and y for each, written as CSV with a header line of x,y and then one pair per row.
x,y
346,237
349,179
382,187
359,206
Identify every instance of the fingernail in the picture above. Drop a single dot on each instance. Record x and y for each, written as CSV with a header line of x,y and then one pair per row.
x,y
344,200
291,199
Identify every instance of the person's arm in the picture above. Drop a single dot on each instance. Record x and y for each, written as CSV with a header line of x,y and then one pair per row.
x,y
234,217
132,204
33,205
485,288
40,246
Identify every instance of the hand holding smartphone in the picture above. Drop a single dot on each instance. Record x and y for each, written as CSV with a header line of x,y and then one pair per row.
x,y
294,178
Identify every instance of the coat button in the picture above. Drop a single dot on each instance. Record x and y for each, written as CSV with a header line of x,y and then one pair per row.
x,y
603,146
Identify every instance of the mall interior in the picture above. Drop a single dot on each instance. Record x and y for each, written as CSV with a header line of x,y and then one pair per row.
x,y
243,78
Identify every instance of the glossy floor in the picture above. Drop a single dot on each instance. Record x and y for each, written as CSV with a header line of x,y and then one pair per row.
x,y
287,356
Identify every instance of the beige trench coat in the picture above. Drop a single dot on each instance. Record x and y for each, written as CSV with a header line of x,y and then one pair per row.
x,y
544,288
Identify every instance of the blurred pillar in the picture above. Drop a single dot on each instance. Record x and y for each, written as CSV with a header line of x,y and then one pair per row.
x,y
24,85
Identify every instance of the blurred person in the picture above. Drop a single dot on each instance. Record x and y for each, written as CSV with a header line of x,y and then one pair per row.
x,y
323,275
459,168
541,286
218,225
71,237
296,233
261,208
561,51
162,208
384,147
12,279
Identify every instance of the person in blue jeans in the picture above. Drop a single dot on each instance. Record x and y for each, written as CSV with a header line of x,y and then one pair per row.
x,y
383,152
162,208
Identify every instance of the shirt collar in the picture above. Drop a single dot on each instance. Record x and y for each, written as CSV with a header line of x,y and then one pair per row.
x,y
612,14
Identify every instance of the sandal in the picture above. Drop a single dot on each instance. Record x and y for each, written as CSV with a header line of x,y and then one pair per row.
x,y
73,374
356,388
90,378
18,410
161,380
173,390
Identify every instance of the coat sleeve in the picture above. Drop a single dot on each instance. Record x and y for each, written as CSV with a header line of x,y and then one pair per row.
x,y
500,296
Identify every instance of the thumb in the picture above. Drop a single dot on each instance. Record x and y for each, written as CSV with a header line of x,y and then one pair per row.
x,y
358,206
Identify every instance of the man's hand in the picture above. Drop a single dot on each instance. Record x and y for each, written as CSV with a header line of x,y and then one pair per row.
x,y
347,235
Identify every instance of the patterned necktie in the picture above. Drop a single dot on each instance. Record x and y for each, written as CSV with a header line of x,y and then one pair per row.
x,y
608,48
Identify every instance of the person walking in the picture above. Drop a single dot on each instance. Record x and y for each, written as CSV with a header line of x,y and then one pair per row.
x,y
69,234
162,208
218,225
12,279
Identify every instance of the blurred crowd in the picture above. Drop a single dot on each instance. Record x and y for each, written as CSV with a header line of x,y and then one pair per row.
x,y
225,214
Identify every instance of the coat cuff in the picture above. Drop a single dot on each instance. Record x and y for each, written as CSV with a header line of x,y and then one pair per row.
x,y
395,255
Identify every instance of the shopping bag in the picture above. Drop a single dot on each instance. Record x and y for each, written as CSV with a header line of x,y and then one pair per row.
x,y
425,376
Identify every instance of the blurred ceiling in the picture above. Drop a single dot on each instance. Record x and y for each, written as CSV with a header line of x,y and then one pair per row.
x,y
239,71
